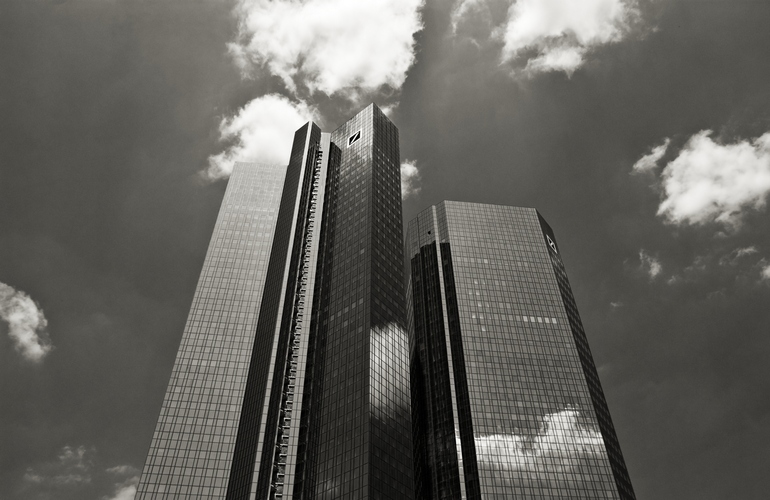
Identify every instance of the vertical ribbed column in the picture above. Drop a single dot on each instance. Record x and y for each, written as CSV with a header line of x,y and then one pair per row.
x,y
288,430
253,458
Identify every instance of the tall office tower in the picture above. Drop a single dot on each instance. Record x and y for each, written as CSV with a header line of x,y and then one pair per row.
x,y
506,399
195,435
291,381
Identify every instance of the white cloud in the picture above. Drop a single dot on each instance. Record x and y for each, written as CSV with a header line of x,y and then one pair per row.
x,y
410,178
332,46
337,47
72,467
123,470
649,162
740,252
764,272
649,264
561,442
465,10
26,323
566,59
389,109
125,490
261,131
710,182
557,35
733,257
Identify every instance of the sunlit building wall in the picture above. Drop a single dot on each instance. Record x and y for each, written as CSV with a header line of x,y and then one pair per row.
x,y
506,399
192,447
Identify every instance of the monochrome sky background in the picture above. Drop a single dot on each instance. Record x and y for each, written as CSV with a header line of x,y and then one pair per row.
x,y
639,128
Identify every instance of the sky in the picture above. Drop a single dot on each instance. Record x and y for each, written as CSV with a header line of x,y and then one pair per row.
x,y
640,129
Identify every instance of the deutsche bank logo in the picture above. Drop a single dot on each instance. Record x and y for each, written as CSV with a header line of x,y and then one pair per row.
x,y
551,244
353,138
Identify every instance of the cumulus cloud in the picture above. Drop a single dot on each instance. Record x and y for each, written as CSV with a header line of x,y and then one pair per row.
x,y
713,182
560,446
649,162
649,264
260,131
765,272
740,252
468,11
410,179
125,490
72,467
123,470
26,323
332,46
337,47
733,257
557,35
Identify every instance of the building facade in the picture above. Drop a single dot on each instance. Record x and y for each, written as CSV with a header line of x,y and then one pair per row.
x,y
506,398
194,438
305,372
292,377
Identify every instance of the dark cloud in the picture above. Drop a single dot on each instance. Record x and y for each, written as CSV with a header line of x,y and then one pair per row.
x,y
109,110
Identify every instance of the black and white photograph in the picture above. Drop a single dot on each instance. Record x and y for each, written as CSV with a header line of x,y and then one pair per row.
x,y
384,249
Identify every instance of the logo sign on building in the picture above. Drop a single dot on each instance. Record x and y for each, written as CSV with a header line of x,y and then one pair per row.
x,y
551,244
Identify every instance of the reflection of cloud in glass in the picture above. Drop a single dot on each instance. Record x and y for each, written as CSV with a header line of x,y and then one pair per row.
x,y
389,362
560,445
329,489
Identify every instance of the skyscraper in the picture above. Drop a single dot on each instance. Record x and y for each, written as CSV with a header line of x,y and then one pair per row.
x,y
506,398
292,377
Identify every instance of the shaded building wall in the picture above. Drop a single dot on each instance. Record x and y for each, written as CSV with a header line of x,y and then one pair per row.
x,y
363,445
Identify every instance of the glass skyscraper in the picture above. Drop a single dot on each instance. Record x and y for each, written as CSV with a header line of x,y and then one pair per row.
x,y
506,399
193,442
306,371
292,377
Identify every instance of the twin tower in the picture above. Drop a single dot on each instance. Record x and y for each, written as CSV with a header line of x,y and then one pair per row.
x,y
310,368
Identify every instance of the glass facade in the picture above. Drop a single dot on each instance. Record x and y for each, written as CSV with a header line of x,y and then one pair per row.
x,y
363,445
506,399
194,439
301,373
314,398
259,462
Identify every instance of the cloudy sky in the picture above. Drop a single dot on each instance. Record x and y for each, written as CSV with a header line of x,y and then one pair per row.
x,y
639,128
